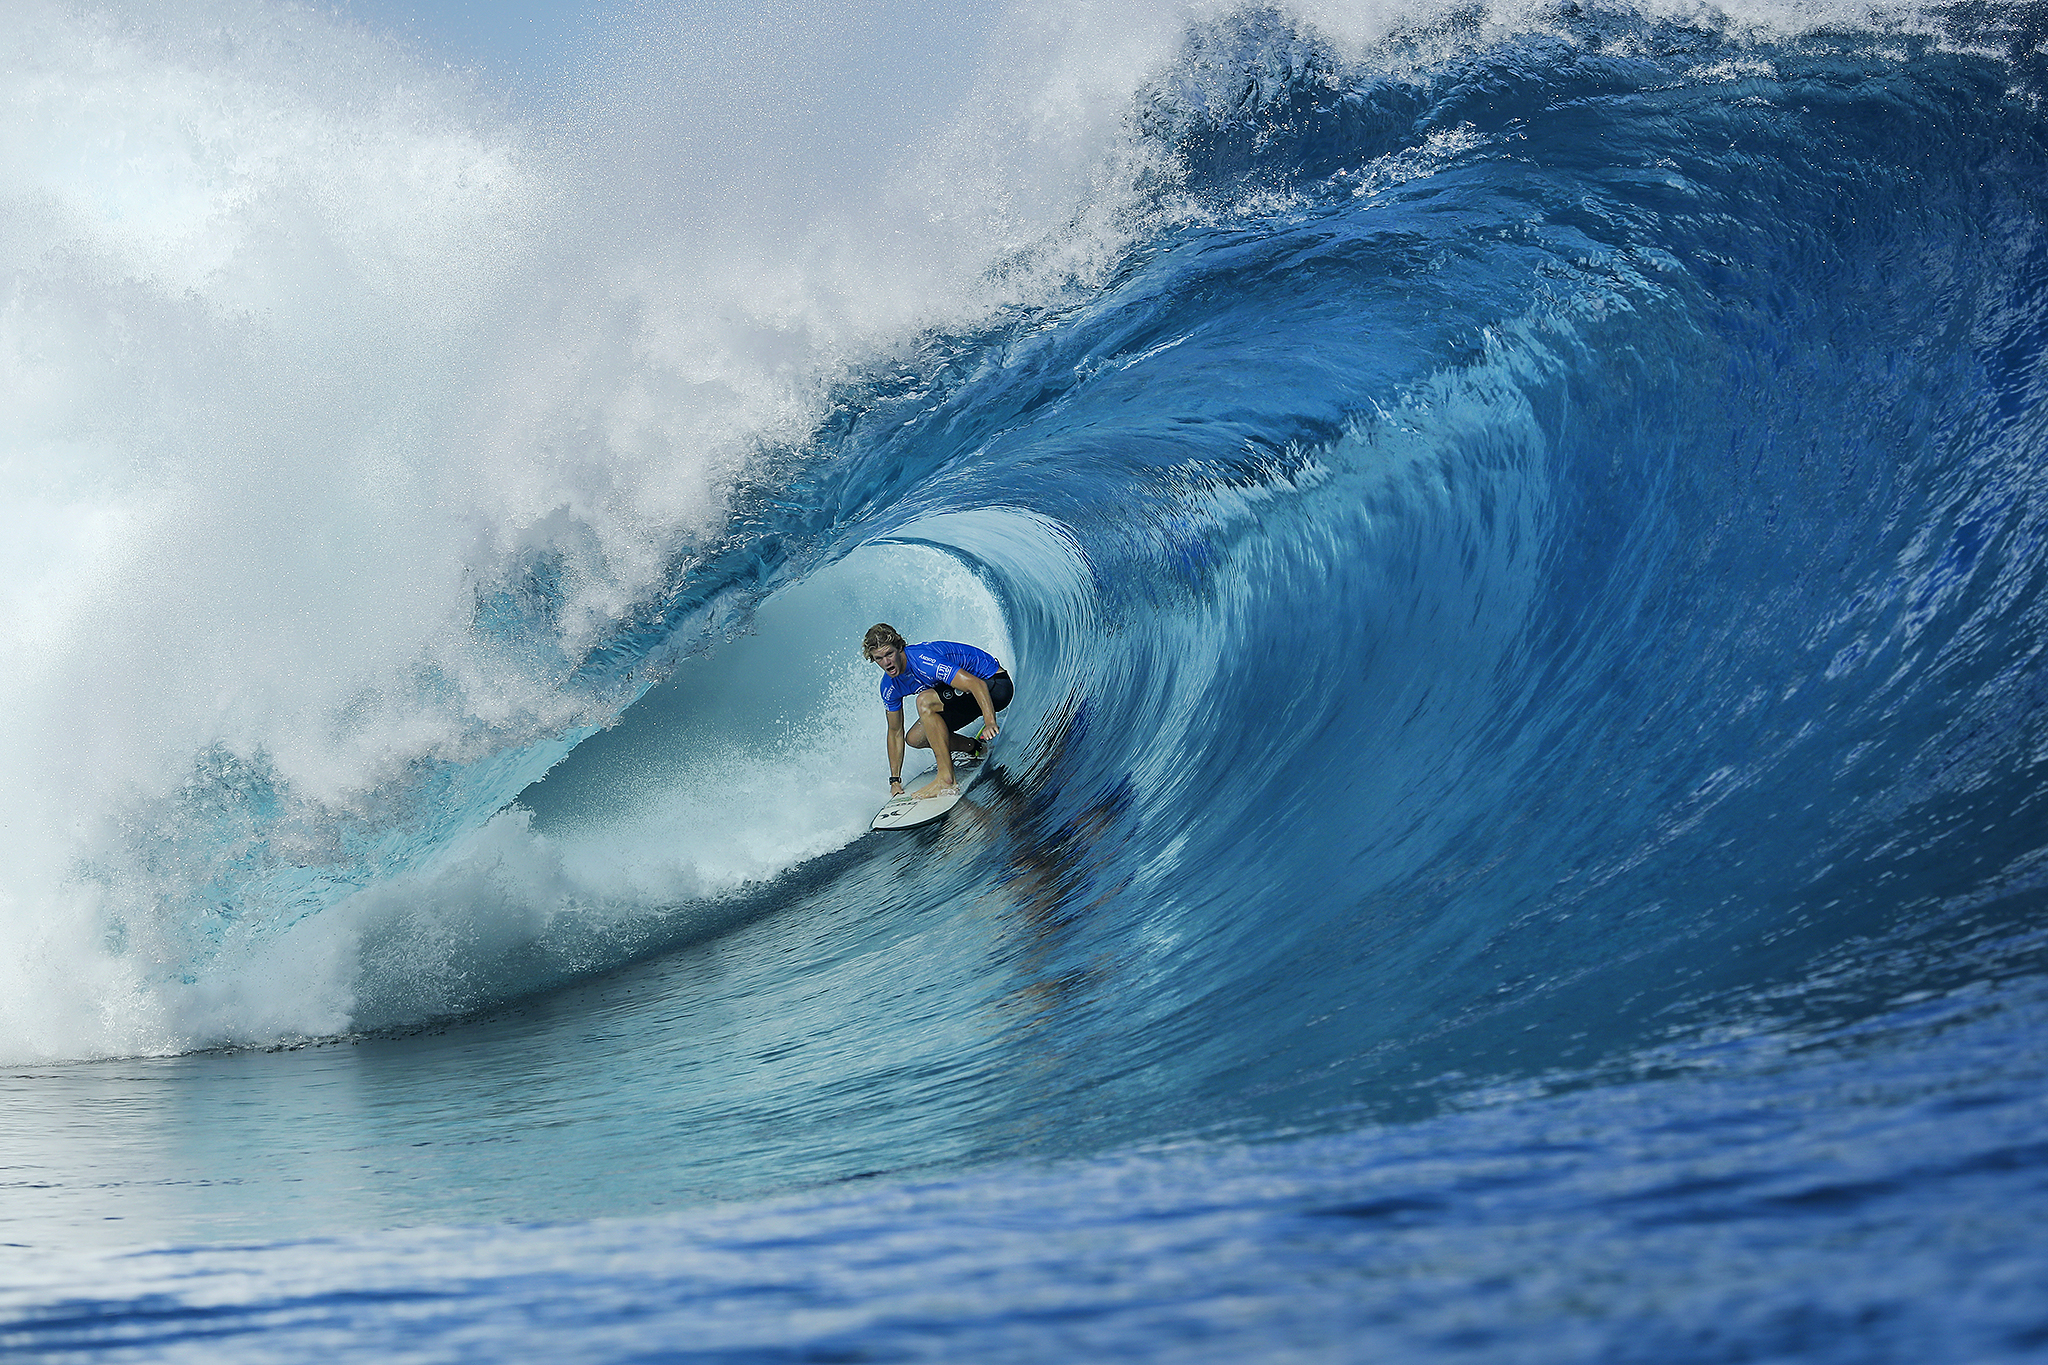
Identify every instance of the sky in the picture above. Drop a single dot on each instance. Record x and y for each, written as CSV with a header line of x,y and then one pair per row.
x,y
518,42
532,48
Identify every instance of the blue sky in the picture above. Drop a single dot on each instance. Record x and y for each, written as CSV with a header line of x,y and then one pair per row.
x,y
523,42
531,46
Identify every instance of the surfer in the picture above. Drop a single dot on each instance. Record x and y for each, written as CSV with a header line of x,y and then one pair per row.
x,y
951,682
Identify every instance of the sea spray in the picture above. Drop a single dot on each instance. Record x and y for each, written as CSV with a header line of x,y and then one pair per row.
x,y
351,422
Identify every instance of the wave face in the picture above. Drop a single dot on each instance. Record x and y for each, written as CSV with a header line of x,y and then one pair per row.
x,y
1522,548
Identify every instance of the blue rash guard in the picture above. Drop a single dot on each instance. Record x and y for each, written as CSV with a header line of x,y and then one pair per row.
x,y
934,665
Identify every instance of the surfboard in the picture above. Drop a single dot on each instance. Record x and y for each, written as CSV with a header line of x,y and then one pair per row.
x,y
908,812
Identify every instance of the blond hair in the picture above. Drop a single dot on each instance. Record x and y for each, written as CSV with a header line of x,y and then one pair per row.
x,y
879,634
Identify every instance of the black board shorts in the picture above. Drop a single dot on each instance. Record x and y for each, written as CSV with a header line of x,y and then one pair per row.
x,y
961,709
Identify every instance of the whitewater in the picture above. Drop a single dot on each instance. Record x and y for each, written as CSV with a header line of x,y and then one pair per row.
x,y
1520,533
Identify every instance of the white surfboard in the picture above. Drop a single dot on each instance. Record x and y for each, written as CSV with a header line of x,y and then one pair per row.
x,y
908,812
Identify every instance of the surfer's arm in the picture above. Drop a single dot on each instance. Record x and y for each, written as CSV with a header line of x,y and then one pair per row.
x,y
895,749
977,688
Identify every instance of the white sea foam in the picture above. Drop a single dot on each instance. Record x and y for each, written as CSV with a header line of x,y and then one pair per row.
x,y
303,347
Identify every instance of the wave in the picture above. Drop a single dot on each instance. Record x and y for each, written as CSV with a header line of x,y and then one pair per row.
x,y
1518,536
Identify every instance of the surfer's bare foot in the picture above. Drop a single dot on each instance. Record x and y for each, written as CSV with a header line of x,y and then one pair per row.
x,y
935,788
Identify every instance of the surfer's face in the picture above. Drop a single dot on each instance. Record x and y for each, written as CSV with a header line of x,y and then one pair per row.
x,y
890,657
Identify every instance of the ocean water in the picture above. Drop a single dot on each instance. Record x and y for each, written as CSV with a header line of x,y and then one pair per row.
x,y
1522,538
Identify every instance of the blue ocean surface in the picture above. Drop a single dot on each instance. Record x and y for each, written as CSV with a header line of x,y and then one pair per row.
x,y
1521,537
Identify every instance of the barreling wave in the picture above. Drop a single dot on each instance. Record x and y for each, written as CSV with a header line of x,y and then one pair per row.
x,y
1520,542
